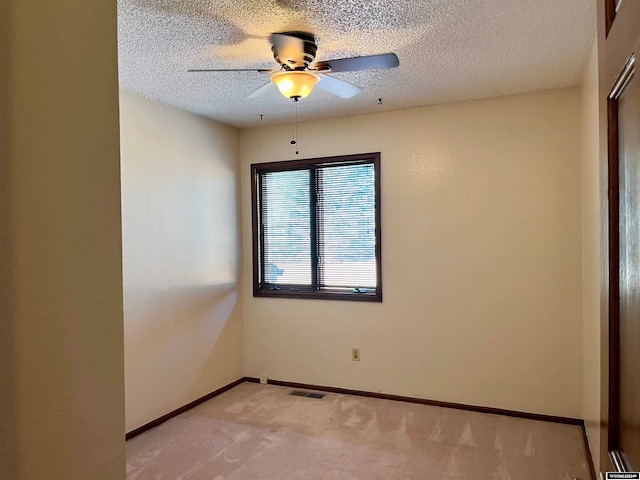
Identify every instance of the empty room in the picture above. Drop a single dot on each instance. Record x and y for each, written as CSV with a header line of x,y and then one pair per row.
x,y
319,240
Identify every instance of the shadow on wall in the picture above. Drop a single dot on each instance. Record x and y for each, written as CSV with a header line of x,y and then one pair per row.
x,y
189,316
179,345
216,364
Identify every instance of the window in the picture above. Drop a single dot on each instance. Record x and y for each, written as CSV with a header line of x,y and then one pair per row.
x,y
316,228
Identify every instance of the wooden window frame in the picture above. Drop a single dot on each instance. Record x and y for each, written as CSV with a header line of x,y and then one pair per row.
x,y
311,292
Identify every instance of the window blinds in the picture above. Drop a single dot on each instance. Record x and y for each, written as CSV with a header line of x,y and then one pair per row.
x,y
317,227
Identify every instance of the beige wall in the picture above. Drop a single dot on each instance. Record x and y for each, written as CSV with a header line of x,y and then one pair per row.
x,y
591,254
183,324
61,338
481,258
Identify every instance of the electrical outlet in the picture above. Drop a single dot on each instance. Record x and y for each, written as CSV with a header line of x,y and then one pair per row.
x,y
264,380
355,354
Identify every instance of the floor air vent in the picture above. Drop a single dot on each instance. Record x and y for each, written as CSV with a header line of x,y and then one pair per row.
x,y
302,393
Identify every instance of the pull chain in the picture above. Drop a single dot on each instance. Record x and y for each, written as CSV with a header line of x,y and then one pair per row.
x,y
296,107
294,125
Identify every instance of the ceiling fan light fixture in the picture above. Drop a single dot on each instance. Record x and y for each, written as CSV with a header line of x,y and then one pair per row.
x,y
296,83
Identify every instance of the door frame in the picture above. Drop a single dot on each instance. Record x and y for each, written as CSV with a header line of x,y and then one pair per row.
x,y
617,42
613,421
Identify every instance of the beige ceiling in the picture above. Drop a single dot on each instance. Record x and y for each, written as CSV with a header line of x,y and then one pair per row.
x,y
449,50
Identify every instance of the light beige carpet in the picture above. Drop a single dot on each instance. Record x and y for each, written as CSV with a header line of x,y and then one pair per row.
x,y
260,432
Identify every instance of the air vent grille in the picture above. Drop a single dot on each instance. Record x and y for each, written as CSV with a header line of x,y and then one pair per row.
x,y
302,393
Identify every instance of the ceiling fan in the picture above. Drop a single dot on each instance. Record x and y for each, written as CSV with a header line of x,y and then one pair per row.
x,y
295,51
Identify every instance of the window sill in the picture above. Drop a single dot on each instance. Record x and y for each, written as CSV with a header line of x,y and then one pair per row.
x,y
317,294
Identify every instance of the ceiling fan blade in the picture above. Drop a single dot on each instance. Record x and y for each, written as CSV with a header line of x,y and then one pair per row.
x,y
338,87
262,90
259,70
371,62
288,49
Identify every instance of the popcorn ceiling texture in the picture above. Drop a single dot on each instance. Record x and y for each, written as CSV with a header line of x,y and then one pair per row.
x,y
449,50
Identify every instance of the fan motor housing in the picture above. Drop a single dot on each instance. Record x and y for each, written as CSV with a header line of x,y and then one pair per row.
x,y
310,48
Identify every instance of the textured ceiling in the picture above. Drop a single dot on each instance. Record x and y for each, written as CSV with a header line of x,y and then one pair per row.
x,y
449,50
